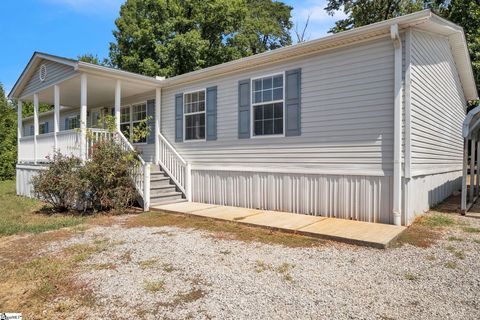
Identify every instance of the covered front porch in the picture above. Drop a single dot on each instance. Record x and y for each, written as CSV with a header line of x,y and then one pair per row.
x,y
79,103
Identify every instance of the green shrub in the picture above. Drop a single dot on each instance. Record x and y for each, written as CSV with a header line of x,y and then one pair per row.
x,y
103,183
59,185
108,177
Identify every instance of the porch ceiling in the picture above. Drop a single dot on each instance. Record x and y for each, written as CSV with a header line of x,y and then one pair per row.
x,y
100,91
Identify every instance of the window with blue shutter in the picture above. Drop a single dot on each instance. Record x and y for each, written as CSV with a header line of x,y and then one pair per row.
x,y
244,109
212,113
293,89
179,117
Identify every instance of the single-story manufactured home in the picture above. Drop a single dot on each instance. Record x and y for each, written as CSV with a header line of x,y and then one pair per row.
x,y
365,124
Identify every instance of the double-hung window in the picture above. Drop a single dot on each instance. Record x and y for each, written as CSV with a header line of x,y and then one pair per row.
x,y
43,128
72,122
268,105
132,117
194,115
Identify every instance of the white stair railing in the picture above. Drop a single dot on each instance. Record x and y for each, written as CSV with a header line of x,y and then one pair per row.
x,y
140,172
175,166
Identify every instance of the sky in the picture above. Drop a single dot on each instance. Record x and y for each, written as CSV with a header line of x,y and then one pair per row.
x,y
70,28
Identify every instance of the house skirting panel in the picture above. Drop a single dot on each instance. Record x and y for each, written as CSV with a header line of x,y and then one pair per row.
x,y
25,173
427,191
363,198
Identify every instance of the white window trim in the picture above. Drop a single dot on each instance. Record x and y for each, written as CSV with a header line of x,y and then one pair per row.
x,y
130,123
252,105
193,113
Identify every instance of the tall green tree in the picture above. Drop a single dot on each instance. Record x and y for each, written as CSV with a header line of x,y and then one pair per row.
x,y
8,137
172,37
465,13
92,58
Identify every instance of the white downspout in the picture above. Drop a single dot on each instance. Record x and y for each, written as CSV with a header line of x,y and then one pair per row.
x,y
397,127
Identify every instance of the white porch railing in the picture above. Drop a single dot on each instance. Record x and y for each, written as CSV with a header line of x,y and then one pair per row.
x,y
96,135
140,172
26,149
68,142
174,165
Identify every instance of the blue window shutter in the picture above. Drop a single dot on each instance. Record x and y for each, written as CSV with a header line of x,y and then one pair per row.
x,y
244,109
293,89
151,121
212,113
32,131
46,127
179,117
66,124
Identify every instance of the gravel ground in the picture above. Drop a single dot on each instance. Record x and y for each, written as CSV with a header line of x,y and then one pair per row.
x,y
172,273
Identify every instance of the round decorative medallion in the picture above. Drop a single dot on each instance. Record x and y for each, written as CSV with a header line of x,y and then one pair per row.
x,y
43,72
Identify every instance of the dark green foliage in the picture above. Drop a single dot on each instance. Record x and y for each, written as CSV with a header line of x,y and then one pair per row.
x,y
8,137
107,176
103,183
93,58
465,13
172,37
61,184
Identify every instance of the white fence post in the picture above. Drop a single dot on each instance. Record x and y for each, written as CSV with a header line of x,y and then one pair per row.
x,y
146,187
188,182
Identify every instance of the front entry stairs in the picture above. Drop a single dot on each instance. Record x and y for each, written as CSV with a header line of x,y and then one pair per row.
x,y
162,189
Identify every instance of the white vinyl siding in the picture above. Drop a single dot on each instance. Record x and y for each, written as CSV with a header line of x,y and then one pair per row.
x,y
346,116
437,106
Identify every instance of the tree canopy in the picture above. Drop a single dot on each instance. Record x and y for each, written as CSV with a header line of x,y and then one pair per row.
x,y
8,137
172,37
465,13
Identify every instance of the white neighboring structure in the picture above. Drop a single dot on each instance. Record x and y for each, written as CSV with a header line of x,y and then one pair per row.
x,y
365,124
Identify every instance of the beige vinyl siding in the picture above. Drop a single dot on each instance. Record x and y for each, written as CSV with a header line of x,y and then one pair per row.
x,y
437,106
55,73
346,116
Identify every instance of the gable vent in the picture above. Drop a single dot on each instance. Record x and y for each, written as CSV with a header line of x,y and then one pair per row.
x,y
43,72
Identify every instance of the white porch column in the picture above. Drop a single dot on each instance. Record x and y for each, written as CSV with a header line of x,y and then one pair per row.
x,y
158,118
83,116
56,115
118,102
35,126
472,168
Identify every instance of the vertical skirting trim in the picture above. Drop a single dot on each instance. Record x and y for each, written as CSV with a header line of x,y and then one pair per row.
x,y
363,198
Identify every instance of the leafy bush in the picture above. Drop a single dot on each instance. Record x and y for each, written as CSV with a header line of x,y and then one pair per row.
x,y
102,183
60,184
108,177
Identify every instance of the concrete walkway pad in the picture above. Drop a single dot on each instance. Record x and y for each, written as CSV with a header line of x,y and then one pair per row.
x,y
371,234
356,232
281,220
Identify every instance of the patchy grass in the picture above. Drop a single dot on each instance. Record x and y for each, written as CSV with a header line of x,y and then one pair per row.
x,y
451,265
23,215
410,276
261,266
167,267
222,229
188,297
154,286
284,270
146,264
44,285
457,253
436,220
471,229
418,235
452,238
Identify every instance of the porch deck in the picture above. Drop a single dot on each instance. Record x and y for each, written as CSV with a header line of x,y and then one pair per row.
x,y
355,232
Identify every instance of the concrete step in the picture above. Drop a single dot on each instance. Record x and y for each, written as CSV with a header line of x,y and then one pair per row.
x,y
164,192
166,197
154,204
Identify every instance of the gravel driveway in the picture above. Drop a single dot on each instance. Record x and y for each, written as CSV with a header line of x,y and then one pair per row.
x,y
174,273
